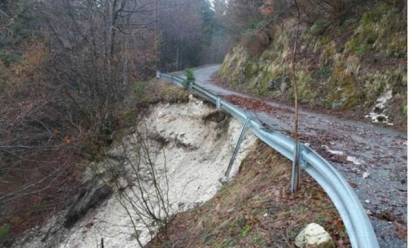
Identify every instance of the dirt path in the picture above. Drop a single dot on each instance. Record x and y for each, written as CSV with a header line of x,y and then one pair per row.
x,y
373,159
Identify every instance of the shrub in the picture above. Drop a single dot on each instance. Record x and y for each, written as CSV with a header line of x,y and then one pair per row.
x,y
139,89
190,78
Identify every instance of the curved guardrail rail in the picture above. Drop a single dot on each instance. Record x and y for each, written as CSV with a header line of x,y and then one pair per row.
x,y
357,223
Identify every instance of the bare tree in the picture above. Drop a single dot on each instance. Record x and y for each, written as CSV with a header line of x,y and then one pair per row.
x,y
83,59
183,32
140,182
77,61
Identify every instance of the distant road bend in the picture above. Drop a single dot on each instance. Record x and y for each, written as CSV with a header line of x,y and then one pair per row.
x,y
373,159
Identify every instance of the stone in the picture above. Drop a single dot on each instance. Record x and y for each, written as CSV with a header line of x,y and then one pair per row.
x,y
283,87
314,236
274,84
365,175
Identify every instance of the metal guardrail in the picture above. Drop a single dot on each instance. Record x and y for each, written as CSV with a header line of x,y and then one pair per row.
x,y
357,223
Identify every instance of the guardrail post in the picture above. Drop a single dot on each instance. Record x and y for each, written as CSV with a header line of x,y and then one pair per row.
x,y
218,103
295,176
239,142
190,85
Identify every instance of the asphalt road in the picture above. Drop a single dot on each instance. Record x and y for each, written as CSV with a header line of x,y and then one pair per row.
x,y
373,159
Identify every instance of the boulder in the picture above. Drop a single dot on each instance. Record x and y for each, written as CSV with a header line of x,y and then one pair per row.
x,y
314,236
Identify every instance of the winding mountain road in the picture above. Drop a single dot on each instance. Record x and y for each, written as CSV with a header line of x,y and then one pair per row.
x,y
373,159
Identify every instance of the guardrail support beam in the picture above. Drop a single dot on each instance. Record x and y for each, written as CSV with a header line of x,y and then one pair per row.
x,y
295,176
239,142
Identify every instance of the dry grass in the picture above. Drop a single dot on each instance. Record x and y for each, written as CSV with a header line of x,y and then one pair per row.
x,y
144,95
255,210
257,41
157,91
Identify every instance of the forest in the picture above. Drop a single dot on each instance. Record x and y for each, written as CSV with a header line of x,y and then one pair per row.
x,y
71,70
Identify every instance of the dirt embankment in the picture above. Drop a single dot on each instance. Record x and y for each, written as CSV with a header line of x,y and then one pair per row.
x,y
189,145
354,67
255,210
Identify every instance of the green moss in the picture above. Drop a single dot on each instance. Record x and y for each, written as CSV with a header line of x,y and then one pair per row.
x,y
260,82
404,109
233,69
245,230
351,68
4,231
343,90
251,69
306,88
323,73
382,29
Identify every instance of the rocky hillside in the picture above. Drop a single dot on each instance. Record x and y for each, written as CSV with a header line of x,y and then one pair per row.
x,y
355,64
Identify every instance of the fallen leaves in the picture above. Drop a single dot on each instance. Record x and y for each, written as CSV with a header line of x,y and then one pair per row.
x,y
401,230
256,105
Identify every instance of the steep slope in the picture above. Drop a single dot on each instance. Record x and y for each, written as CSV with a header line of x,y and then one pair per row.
x,y
356,64
190,145
256,209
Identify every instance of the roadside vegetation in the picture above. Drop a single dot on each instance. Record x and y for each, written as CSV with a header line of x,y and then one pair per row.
x,y
351,55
